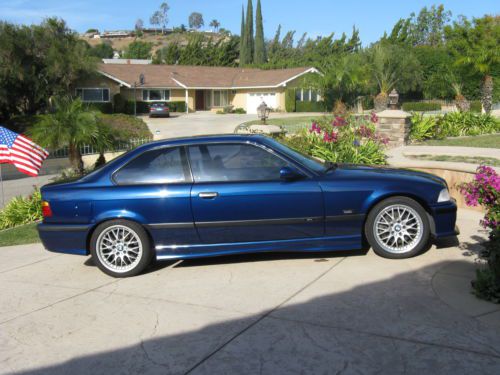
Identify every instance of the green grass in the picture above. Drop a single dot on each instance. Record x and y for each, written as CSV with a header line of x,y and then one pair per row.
x,y
494,162
486,141
291,124
23,234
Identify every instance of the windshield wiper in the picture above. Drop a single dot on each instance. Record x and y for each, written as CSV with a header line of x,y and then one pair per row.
x,y
330,166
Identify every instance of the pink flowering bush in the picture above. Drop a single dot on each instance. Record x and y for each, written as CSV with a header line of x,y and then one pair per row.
x,y
343,139
484,190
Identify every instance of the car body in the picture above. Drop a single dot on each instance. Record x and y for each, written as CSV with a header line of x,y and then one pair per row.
x,y
217,195
159,110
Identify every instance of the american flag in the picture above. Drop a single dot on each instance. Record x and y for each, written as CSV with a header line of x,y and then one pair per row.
x,y
16,149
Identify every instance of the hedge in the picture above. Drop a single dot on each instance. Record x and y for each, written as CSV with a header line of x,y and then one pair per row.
x,y
290,104
309,107
101,107
421,106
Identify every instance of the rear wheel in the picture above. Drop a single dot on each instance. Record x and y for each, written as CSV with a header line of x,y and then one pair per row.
x,y
398,228
121,248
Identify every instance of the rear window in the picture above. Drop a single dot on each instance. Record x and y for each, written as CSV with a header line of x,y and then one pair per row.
x,y
162,166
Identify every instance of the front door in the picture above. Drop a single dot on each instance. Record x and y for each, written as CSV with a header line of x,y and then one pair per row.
x,y
238,196
200,100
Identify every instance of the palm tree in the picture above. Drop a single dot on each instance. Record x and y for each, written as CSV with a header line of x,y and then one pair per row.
x,y
71,125
215,25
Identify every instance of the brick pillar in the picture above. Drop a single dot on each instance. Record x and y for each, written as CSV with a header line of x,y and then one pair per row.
x,y
395,125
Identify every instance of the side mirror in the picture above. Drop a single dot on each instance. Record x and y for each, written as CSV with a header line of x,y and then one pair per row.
x,y
290,174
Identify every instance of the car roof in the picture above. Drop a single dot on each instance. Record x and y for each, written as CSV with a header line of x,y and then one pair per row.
x,y
207,139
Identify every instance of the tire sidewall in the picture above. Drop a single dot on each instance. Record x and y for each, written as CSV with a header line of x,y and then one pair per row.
x,y
143,237
370,222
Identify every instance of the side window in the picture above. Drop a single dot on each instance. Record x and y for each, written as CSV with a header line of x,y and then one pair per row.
x,y
163,166
234,162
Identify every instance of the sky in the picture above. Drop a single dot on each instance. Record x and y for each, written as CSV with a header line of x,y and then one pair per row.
x,y
316,17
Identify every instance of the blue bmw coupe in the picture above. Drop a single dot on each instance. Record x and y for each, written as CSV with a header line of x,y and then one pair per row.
x,y
217,195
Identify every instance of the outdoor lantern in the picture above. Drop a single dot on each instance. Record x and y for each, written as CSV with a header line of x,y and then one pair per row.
x,y
263,112
393,99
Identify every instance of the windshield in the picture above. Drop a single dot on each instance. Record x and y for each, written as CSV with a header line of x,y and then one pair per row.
x,y
304,159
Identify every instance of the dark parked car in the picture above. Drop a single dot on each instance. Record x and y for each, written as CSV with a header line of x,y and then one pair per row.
x,y
159,110
207,196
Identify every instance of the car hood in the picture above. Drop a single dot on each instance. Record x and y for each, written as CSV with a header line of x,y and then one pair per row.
x,y
365,170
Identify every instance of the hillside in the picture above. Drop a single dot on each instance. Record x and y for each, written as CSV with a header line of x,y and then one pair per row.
x,y
158,41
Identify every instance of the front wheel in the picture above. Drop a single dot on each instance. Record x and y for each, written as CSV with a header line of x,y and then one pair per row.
x,y
398,228
121,248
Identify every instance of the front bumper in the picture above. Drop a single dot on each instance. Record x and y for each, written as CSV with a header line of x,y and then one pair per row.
x,y
65,238
445,218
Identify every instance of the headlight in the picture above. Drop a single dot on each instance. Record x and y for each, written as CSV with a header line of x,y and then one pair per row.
x,y
444,196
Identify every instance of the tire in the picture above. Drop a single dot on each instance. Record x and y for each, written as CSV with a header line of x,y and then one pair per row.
x,y
406,235
117,257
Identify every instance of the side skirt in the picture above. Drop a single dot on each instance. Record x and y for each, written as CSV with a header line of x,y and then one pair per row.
x,y
296,245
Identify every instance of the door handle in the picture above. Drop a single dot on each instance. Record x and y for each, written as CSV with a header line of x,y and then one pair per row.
x,y
208,195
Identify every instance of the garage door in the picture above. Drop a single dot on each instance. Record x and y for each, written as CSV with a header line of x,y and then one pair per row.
x,y
255,99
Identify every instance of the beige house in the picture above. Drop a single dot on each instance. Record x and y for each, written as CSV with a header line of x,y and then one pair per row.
x,y
202,88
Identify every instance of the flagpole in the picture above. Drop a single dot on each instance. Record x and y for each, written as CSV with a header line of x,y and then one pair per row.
x,y
1,183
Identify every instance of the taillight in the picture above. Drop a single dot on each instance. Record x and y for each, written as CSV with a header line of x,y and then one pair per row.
x,y
46,211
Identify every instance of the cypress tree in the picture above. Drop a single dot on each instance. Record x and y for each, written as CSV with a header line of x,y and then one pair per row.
x,y
260,46
249,44
242,36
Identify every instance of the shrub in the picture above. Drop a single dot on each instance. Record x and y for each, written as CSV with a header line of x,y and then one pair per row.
x,y
484,190
476,106
239,111
22,210
124,127
119,104
310,107
177,106
344,140
422,127
421,106
290,104
456,124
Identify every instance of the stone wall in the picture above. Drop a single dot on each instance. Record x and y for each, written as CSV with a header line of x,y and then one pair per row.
x,y
395,125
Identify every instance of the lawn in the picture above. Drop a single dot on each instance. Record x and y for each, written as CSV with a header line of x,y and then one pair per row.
x,y
291,124
23,234
459,159
487,141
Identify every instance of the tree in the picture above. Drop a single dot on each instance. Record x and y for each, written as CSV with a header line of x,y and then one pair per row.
x,y
139,26
38,62
215,25
260,56
248,41
102,51
138,50
71,125
242,36
476,47
196,20
163,13
155,19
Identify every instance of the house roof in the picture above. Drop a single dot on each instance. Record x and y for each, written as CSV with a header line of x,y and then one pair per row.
x,y
180,76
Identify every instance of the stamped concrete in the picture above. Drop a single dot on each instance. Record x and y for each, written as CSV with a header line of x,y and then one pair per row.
x,y
315,313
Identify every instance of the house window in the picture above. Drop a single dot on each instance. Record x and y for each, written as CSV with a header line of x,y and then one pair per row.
x,y
220,98
155,95
307,95
93,95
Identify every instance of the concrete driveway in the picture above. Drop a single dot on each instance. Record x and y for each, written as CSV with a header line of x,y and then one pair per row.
x,y
272,314
203,123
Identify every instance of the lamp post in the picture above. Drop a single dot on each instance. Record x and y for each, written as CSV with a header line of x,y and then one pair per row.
x,y
142,80
393,99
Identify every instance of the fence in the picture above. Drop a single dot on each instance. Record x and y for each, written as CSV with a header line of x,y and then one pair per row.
x,y
90,150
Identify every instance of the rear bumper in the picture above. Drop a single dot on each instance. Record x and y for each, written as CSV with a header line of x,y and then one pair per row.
x,y
65,238
445,218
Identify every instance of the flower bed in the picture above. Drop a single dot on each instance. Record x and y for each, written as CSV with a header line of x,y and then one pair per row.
x,y
342,139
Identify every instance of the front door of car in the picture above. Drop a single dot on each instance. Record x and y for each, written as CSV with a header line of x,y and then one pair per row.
x,y
238,196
